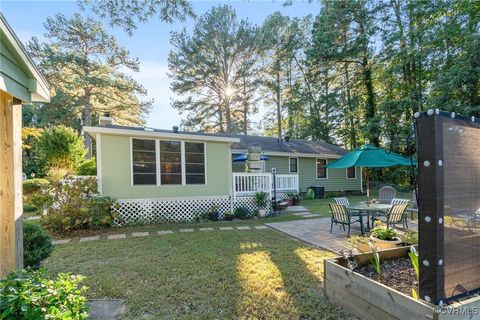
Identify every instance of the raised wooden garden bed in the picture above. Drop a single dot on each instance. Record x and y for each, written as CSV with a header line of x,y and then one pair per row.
x,y
369,299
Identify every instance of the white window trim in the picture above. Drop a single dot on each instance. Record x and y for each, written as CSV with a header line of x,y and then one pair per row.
x,y
290,159
346,173
316,168
158,167
131,163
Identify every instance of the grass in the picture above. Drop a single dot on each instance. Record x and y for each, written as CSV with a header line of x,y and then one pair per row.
x,y
254,274
320,206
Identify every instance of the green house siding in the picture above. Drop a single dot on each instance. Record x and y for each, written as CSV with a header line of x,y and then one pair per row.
x,y
116,172
307,171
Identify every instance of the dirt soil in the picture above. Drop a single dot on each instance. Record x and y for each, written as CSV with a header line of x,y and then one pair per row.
x,y
395,273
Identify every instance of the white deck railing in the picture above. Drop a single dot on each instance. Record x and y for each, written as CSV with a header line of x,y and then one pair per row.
x,y
247,184
287,182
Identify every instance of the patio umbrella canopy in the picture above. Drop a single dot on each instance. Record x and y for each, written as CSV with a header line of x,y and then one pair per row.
x,y
370,157
243,157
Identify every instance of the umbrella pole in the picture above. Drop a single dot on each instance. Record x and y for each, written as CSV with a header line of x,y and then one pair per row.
x,y
368,185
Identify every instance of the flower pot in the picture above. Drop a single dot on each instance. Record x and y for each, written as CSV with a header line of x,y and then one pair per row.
x,y
290,201
262,213
229,217
295,202
384,244
363,247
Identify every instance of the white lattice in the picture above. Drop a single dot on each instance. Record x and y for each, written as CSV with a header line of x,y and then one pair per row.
x,y
247,202
147,211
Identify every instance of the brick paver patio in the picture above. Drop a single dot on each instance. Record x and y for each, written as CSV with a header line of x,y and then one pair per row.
x,y
317,232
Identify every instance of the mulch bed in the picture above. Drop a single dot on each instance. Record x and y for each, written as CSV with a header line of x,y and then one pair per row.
x,y
395,273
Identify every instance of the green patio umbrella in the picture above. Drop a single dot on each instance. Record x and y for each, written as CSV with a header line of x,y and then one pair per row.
x,y
369,156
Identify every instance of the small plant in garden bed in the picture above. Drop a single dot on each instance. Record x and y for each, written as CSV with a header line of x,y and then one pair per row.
x,y
261,199
229,215
383,233
31,295
243,213
214,214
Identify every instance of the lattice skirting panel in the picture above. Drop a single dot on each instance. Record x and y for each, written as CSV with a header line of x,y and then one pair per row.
x,y
151,211
148,211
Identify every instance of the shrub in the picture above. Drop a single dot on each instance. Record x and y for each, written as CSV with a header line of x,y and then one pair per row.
x,y
310,194
87,168
33,296
32,186
61,147
37,245
243,213
75,204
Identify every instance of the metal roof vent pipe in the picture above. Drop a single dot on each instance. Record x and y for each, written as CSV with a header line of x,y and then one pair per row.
x,y
175,129
106,120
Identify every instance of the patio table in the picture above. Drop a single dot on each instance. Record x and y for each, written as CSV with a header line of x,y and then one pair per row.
x,y
365,209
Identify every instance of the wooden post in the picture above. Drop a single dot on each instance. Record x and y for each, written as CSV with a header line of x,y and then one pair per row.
x,y
11,237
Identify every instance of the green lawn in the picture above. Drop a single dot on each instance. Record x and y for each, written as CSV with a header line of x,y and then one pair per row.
x,y
320,206
252,274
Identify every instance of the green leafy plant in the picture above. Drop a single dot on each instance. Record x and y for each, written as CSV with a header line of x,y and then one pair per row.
x,y
87,168
261,199
293,195
310,195
410,237
413,255
383,233
33,191
75,204
31,295
229,215
375,259
214,214
243,213
37,245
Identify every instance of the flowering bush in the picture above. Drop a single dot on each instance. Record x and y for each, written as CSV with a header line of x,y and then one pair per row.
x,y
75,204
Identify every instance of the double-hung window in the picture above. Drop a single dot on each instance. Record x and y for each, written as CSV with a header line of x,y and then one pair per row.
x,y
351,173
194,163
170,162
144,162
321,169
293,165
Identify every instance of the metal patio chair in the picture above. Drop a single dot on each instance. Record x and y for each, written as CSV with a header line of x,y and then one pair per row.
x,y
341,215
396,214
386,194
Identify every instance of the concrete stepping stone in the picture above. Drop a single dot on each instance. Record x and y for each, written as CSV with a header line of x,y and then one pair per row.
x,y
225,228
244,228
93,238
187,230
140,234
311,215
296,209
62,241
116,236
160,232
105,309
261,227
300,213
206,229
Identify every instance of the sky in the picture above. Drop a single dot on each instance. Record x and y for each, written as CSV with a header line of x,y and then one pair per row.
x,y
150,43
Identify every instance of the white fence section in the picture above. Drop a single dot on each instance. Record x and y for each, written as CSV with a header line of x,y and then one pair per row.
x,y
247,184
287,182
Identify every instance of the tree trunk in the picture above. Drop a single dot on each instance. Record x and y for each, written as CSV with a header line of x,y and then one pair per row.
x,y
370,109
87,121
279,106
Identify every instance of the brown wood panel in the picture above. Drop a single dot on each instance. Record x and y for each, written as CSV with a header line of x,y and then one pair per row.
x,y
18,182
7,185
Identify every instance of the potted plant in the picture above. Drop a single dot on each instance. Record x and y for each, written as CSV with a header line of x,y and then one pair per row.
x,y
213,214
289,198
360,243
229,216
295,199
383,237
261,199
